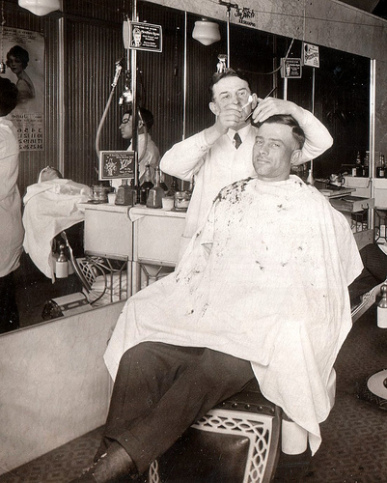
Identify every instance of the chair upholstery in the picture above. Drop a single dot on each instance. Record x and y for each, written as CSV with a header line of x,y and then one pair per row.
x,y
237,441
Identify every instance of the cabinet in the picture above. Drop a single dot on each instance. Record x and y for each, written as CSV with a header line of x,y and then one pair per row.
x,y
156,243
108,238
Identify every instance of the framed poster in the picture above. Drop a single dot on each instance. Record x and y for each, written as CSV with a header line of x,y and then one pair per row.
x,y
142,36
24,58
116,165
291,68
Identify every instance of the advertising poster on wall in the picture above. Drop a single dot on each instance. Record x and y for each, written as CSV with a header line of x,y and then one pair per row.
x,y
23,53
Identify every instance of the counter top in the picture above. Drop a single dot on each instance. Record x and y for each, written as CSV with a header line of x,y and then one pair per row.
x,y
105,207
133,212
141,210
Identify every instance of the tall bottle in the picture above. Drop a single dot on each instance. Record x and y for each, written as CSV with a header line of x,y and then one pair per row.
x,y
173,188
156,193
163,184
382,308
146,186
381,169
61,265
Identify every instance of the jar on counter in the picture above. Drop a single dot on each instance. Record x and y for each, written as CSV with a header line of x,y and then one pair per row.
x,y
182,199
100,193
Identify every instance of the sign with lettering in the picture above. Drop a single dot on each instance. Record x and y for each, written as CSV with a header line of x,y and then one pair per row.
x,y
142,36
291,68
116,165
311,55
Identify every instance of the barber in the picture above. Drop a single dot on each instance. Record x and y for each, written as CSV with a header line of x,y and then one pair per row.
x,y
11,231
214,159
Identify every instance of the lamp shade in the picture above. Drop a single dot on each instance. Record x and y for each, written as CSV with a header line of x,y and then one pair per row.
x,y
40,7
206,32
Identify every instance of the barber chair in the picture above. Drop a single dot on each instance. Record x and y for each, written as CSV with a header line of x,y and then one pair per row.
x,y
236,442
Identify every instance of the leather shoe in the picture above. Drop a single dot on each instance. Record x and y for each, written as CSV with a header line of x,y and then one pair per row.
x,y
113,465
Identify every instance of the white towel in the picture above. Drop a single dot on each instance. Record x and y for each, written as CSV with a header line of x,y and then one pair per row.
x,y
50,208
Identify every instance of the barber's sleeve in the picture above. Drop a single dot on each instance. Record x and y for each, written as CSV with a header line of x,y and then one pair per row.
x,y
185,159
317,136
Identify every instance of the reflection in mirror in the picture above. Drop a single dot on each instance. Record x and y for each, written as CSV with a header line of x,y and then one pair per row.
x,y
341,102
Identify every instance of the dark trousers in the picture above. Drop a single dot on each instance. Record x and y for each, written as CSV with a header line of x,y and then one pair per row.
x,y
160,390
374,271
9,315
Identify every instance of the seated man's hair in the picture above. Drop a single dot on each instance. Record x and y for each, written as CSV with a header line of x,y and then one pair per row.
x,y
146,116
8,96
287,120
226,73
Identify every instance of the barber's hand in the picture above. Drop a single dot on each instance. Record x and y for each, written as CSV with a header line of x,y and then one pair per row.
x,y
271,106
228,117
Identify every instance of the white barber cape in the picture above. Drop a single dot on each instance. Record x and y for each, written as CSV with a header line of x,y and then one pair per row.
x,y
51,207
264,280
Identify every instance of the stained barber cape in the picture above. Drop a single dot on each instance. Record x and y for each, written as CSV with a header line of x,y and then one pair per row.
x,y
264,280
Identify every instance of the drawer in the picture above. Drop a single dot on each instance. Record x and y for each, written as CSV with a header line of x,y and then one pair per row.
x,y
352,204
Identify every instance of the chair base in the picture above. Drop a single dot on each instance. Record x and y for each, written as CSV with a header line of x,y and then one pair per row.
x,y
237,441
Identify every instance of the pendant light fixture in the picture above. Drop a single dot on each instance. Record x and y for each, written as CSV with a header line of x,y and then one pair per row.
x,y
206,32
40,7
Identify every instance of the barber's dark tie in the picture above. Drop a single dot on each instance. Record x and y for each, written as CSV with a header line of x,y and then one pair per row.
x,y
237,140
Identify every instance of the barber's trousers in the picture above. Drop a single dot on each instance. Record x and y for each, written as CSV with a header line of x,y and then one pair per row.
x,y
161,389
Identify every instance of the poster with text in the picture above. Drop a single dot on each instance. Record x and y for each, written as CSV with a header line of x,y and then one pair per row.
x,y
23,53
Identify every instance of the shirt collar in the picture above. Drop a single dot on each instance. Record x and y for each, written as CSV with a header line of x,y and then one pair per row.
x,y
242,133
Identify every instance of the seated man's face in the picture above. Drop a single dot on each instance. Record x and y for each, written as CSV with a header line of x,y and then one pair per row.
x,y
273,151
48,174
126,126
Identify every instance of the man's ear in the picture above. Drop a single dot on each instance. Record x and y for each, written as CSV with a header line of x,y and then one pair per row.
x,y
296,157
214,108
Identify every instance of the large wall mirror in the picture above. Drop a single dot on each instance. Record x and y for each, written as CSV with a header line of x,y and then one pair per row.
x,y
174,86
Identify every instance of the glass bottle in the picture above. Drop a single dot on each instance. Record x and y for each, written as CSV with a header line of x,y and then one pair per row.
x,y
163,184
61,265
173,188
126,194
146,186
310,179
381,169
156,193
382,308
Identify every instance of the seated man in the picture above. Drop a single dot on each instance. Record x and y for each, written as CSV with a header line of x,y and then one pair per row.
x,y
50,206
148,152
261,292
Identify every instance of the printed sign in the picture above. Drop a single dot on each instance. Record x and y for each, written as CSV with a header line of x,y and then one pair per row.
x,y
116,165
142,36
24,52
311,55
291,68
